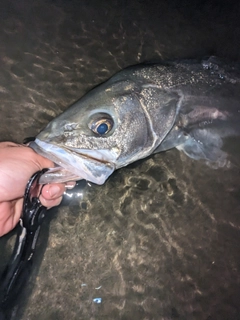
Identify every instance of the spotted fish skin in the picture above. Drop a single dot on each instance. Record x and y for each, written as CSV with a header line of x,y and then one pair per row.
x,y
189,105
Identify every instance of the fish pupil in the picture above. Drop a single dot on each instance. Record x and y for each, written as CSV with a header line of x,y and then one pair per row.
x,y
102,128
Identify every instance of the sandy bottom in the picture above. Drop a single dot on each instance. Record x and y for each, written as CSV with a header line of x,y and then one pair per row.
x,y
160,240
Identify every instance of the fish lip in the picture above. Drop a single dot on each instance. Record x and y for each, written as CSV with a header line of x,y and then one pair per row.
x,y
35,145
88,168
100,155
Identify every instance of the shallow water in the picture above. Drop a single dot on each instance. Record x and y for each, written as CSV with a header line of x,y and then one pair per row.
x,y
160,240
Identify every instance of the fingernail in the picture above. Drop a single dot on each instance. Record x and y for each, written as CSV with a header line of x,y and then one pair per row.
x,y
54,191
70,185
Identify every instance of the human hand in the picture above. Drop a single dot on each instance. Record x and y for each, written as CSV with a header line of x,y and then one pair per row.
x,y
17,164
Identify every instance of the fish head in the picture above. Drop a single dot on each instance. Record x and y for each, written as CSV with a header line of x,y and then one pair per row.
x,y
103,131
108,128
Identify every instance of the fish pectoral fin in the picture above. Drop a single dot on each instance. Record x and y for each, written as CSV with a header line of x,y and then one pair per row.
x,y
174,138
204,144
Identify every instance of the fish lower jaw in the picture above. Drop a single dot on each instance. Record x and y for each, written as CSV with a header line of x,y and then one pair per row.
x,y
59,175
73,165
92,173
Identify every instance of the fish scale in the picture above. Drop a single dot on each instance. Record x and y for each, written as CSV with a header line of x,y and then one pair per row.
x,y
189,105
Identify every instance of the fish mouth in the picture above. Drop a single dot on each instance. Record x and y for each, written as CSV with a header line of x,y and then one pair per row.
x,y
75,164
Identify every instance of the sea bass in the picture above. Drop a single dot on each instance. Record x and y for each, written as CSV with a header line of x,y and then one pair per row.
x,y
142,110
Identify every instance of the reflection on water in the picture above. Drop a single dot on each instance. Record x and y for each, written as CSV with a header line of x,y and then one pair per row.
x,y
160,239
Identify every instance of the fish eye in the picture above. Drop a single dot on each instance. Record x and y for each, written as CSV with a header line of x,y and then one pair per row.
x,y
101,125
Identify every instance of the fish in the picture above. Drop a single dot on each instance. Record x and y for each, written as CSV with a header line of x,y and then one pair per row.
x,y
144,109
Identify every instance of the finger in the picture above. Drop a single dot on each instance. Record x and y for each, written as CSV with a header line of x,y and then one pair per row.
x,y
53,191
17,165
37,160
6,144
70,184
50,203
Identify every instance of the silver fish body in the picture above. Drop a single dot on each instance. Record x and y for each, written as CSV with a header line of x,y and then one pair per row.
x,y
140,111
